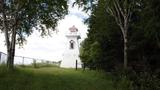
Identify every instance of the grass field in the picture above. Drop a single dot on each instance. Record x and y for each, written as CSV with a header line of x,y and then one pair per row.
x,y
52,78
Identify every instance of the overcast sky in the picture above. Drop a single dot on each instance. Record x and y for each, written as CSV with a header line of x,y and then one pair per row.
x,y
51,48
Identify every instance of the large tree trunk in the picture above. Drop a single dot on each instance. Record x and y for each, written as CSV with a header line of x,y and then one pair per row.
x,y
9,59
125,30
10,42
125,52
6,33
12,54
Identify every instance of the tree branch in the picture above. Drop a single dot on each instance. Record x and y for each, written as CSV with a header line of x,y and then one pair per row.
x,y
119,7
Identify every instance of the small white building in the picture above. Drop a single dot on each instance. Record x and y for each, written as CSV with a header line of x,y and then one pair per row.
x,y
71,53
3,58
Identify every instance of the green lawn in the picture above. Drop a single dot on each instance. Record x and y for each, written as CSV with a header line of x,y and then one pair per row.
x,y
52,78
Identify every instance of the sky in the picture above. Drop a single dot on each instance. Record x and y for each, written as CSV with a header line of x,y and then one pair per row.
x,y
52,48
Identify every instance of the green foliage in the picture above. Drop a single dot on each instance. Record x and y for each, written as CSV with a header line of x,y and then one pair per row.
x,y
90,57
95,51
143,45
28,14
146,81
19,18
123,83
144,37
86,4
102,49
84,53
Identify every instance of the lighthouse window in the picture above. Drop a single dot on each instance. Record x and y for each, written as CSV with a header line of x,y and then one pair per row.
x,y
71,44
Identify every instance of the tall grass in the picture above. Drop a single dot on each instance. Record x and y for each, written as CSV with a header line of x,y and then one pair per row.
x,y
53,78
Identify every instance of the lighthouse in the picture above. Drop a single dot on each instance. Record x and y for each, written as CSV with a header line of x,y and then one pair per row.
x,y
71,54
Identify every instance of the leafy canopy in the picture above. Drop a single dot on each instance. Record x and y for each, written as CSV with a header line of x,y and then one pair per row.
x,y
29,14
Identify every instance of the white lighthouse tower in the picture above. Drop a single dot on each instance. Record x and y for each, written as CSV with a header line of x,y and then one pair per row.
x,y
71,53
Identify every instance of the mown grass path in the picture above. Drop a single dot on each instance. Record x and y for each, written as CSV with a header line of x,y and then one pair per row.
x,y
51,78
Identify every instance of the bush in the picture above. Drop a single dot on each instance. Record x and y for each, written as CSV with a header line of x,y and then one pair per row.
x,y
146,81
121,80
131,80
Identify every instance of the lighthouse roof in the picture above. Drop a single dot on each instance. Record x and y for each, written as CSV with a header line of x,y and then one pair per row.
x,y
73,29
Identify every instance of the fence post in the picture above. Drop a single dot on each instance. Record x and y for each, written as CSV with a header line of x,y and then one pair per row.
x,y
76,64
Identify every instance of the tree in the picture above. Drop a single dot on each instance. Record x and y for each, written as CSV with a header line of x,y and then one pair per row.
x,y
144,36
103,47
121,11
84,53
19,17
